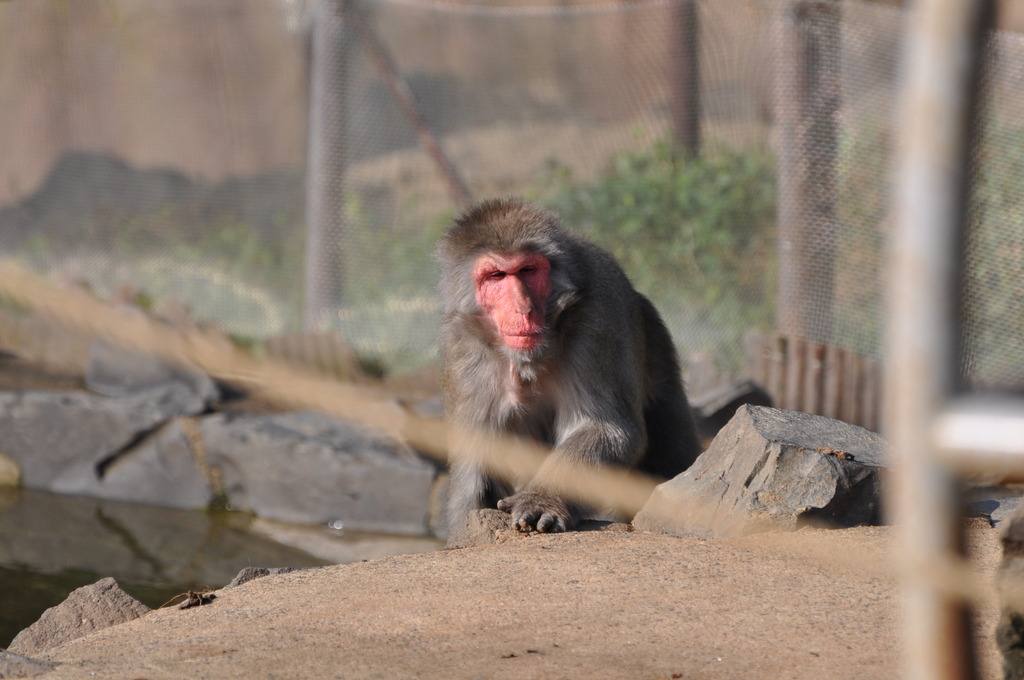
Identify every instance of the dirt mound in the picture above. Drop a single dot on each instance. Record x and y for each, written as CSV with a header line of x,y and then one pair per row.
x,y
815,604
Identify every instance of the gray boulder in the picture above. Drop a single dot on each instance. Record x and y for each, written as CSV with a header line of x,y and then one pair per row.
x,y
306,467
86,610
61,439
771,469
714,409
161,470
995,510
114,371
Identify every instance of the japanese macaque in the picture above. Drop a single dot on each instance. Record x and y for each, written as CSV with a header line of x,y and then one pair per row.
x,y
544,337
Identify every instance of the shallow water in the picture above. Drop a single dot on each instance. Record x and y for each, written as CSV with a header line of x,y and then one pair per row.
x,y
51,544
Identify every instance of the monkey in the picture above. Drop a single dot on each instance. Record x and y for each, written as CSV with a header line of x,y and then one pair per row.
x,y
544,337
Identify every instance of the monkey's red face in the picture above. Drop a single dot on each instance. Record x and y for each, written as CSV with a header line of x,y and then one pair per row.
x,y
512,291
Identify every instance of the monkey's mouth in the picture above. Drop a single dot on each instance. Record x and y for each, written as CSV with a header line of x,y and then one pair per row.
x,y
523,341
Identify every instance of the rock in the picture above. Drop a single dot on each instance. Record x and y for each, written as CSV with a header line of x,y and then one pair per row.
x,y
253,573
161,470
770,469
995,510
16,666
61,438
114,371
306,467
481,527
86,610
715,409
1010,583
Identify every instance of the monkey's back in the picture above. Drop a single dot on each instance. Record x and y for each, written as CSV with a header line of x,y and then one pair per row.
x,y
672,442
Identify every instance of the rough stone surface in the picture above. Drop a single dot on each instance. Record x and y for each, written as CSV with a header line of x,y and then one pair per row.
x,y
114,371
87,609
715,409
16,666
771,469
162,470
306,467
480,528
60,439
995,510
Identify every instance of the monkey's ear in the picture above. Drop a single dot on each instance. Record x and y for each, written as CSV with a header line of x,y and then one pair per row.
x,y
564,300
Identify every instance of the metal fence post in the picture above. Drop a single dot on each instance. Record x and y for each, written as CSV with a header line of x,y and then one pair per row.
x,y
325,198
943,50
807,102
685,99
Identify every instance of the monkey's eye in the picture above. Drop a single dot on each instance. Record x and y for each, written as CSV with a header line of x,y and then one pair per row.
x,y
527,270
497,275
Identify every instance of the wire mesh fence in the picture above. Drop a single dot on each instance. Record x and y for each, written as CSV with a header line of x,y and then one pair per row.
x,y
734,155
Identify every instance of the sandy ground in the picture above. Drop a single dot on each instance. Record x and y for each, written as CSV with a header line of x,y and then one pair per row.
x,y
816,604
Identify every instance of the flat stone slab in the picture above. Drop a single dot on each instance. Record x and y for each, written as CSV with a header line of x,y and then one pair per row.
x,y
306,467
114,371
772,469
59,439
164,469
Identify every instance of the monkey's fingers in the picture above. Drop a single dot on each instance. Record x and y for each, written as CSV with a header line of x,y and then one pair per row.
x,y
532,510
550,523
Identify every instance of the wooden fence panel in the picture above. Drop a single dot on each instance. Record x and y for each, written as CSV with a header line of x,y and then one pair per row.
x,y
325,353
815,378
833,381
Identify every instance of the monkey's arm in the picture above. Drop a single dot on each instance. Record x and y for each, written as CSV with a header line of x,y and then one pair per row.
x,y
599,426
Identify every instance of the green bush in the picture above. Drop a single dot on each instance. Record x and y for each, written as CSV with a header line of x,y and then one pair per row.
x,y
695,235
387,265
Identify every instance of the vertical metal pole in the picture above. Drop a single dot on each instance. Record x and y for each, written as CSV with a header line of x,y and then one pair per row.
x,y
943,48
685,64
325,198
807,103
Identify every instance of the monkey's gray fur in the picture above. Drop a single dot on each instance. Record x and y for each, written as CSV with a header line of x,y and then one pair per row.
x,y
603,388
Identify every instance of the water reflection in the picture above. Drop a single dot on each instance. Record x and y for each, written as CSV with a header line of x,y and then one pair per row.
x,y
51,544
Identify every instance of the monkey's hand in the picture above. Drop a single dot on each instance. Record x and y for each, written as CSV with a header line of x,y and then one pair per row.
x,y
539,510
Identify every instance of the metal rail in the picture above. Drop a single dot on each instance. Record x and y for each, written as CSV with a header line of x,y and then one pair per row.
x,y
936,435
